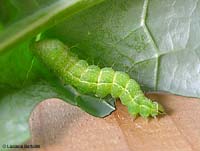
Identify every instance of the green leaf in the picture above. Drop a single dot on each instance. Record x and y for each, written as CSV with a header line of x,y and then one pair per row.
x,y
156,42
38,17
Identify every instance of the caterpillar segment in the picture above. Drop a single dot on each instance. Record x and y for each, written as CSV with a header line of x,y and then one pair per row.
x,y
91,79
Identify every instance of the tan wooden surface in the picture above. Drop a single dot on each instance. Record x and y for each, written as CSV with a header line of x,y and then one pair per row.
x,y
58,126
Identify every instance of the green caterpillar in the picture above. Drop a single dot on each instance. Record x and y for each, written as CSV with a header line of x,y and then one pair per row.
x,y
92,79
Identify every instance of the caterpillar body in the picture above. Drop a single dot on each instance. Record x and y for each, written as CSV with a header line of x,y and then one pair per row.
x,y
92,79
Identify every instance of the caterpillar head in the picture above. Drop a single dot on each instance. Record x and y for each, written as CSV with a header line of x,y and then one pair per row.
x,y
145,107
157,109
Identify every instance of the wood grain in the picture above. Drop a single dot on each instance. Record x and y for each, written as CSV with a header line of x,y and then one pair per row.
x,y
58,126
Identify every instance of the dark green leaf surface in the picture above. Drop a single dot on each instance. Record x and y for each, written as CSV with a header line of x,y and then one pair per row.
x,y
38,15
156,42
